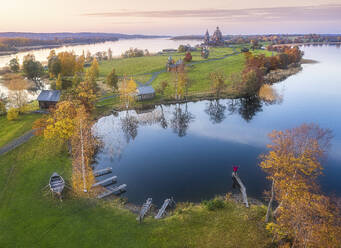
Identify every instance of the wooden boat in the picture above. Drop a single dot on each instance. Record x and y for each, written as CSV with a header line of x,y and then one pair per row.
x,y
56,183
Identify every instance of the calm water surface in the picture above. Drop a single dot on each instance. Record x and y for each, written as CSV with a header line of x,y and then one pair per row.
x,y
187,151
117,47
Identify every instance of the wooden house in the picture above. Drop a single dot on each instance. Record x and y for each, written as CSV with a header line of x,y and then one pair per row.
x,y
145,92
48,98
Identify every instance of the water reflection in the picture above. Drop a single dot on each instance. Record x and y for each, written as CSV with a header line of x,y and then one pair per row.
x,y
181,119
216,111
186,150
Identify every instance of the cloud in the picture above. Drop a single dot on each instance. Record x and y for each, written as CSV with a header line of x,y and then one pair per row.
x,y
320,13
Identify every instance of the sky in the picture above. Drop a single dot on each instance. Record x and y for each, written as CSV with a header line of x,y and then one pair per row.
x,y
175,17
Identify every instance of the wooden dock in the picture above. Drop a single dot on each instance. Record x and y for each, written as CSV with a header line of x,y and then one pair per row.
x,y
241,187
162,210
107,181
113,190
102,172
144,209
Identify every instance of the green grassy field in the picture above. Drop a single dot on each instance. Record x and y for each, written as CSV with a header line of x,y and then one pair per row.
x,y
13,129
149,64
32,218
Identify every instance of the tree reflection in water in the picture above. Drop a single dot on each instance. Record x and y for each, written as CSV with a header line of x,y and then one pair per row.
x,y
129,126
181,119
216,111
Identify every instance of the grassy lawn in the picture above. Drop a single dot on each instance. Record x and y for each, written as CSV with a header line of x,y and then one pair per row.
x,y
31,218
149,64
13,129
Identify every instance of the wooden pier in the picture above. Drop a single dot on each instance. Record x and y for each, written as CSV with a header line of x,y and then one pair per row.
x,y
241,187
162,210
102,172
107,181
144,209
113,190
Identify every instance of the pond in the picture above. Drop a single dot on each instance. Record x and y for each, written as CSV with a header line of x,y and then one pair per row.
x,y
187,151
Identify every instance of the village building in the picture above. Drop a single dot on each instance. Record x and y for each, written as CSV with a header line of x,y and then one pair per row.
x,y
145,92
48,98
216,39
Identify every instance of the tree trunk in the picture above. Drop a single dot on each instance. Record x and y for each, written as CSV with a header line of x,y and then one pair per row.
x,y
268,211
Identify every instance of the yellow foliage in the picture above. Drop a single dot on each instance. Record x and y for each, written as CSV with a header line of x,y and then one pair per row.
x,y
59,83
12,114
61,122
83,146
127,91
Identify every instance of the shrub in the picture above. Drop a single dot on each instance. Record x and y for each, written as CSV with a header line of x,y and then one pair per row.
x,y
214,204
2,108
188,57
12,114
182,49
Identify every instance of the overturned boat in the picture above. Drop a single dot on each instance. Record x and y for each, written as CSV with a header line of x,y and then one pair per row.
x,y
57,183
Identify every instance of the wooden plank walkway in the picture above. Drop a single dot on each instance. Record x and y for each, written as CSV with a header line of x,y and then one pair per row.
x,y
242,188
162,210
107,181
102,172
112,190
144,209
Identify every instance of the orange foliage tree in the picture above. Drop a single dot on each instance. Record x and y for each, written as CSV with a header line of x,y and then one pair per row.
x,y
293,164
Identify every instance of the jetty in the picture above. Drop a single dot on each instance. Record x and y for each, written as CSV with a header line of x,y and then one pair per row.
x,y
241,187
144,209
107,181
113,190
162,210
102,172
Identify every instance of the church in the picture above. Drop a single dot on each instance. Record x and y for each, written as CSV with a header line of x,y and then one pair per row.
x,y
215,40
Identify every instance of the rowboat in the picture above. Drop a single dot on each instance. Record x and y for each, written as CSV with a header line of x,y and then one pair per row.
x,y
57,183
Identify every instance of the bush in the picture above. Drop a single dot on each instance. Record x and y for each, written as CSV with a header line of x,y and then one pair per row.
x,y
188,57
214,204
182,49
132,53
2,107
12,114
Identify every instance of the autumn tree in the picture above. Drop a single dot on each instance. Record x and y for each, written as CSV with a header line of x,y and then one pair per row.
x,y
188,57
12,114
54,64
218,82
68,63
2,105
127,91
14,65
83,148
32,68
79,66
86,95
92,73
59,82
60,123
18,95
293,164
77,78
112,79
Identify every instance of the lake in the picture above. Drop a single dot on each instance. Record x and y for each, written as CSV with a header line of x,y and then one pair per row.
x,y
117,47
187,151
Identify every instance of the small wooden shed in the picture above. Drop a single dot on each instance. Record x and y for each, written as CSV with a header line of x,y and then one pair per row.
x,y
48,98
145,92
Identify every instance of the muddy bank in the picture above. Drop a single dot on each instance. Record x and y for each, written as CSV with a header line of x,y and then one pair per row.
x,y
278,75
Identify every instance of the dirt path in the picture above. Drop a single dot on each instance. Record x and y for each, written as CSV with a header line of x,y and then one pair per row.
x,y
17,142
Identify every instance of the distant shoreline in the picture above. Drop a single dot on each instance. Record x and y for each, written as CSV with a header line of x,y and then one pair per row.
x,y
37,47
